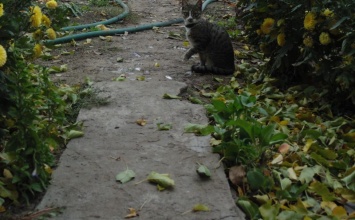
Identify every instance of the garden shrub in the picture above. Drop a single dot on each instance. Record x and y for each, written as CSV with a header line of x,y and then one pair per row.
x,y
32,109
306,42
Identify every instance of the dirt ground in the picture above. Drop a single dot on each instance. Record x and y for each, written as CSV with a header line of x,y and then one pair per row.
x,y
94,60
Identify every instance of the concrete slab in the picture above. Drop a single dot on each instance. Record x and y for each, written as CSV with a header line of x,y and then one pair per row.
x,y
84,182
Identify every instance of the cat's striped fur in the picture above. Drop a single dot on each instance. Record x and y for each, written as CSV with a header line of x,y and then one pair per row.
x,y
210,41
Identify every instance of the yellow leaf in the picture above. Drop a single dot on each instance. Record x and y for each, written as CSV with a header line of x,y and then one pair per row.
x,y
157,65
141,122
200,208
278,159
283,123
292,174
48,169
186,44
132,213
7,174
339,212
2,209
308,145
307,218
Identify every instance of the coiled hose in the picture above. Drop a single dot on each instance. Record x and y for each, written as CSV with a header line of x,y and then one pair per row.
x,y
91,34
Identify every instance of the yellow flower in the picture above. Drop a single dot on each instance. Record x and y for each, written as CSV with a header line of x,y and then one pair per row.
x,y
1,9
37,50
324,38
46,21
37,35
281,39
308,41
51,33
327,13
36,18
3,56
267,25
51,4
310,21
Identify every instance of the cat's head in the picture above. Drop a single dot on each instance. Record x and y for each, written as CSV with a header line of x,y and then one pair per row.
x,y
191,12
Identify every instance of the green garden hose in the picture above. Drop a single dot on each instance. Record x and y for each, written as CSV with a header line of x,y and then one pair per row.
x,y
85,35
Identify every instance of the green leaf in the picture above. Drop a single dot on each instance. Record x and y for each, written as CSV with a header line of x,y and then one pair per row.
x,y
258,181
203,171
169,96
199,129
339,23
195,100
75,134
308,173
164,127
277,138
268,211
249,208
289,215
321,190
163,180
125,176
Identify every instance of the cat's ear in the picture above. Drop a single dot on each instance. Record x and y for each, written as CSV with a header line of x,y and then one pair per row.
x,y
199,4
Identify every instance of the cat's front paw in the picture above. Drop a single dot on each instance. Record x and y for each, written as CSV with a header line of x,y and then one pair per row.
x,y
186,57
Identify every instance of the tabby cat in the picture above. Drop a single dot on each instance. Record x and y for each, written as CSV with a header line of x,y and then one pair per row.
x,y
210,41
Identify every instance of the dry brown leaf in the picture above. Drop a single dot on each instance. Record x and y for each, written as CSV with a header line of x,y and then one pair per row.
x,y
132,213
284,148
236,175
141,122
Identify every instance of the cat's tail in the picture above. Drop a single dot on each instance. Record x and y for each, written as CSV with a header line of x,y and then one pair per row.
x,y
212,69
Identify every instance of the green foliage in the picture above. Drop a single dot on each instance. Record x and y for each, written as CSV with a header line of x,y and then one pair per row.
x,y
32,111
299,164
310,41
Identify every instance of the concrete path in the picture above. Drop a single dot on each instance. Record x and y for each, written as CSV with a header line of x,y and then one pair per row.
x,y
84,183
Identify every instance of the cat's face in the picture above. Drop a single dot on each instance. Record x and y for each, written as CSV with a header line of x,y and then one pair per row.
x,y
191,12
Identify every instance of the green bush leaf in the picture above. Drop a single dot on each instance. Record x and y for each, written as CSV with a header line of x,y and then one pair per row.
x,y
125,176
269,211
249,208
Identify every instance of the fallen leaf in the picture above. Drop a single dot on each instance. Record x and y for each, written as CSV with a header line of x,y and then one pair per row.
x,y
140,78
195,100
75,134
164,127
200,208
284,148
119,59
292,174
122,77
203,171
278,159
132,213
125,176
157,65
7,174
163,180
169,96
237,175
141,122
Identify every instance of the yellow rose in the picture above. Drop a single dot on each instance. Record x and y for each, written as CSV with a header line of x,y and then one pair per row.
x,y
267,25
281,39
51,34
327,13
1,9
324,38
46,21
37,50
51,4
36,18
3,56
310,21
